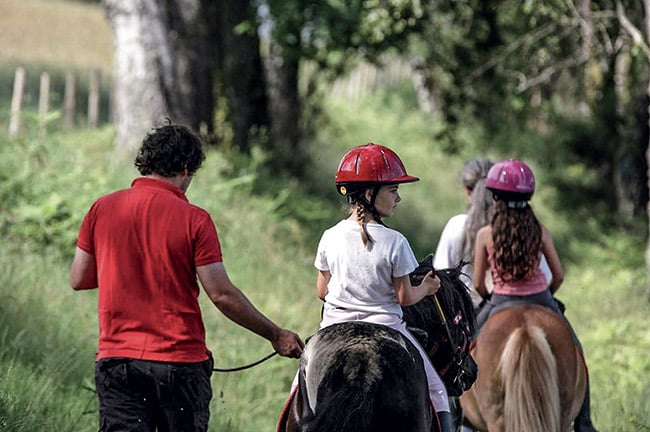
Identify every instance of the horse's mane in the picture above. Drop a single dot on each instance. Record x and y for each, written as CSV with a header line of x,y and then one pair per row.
x,y
454,299
447,335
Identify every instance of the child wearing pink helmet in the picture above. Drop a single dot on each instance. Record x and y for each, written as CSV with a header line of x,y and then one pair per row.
x,y
511,247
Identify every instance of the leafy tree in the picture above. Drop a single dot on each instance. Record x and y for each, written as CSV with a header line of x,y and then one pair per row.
x,y
332,35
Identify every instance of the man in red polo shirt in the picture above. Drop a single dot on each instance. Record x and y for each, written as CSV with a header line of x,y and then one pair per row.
x,y
143,247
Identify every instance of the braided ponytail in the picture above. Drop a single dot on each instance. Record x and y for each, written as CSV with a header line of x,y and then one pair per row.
x,y
361,217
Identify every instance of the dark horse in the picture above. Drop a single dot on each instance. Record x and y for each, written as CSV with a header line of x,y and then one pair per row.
x,y
532,376
359,376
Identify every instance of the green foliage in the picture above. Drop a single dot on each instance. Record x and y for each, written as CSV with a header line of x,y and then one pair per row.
x,y
30,209
334,33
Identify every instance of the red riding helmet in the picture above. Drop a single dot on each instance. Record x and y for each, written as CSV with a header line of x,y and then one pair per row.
x,y
511,179
370,165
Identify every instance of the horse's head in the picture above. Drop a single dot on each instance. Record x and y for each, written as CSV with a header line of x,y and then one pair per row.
x,y
448,319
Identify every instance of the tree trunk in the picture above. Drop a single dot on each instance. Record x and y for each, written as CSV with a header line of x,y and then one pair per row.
x,y
646,22
163,65
646,25
623,172
241,75
284,106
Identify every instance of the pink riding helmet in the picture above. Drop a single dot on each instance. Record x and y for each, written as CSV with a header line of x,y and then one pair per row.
x,y
511,179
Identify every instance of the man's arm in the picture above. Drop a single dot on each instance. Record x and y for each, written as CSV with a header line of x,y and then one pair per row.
x,y
83,271
234,305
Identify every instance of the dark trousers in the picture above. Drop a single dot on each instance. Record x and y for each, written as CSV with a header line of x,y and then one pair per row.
x,y
147,396
545,298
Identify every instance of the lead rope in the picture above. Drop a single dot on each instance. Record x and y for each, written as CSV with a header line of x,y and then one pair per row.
x,y
248,366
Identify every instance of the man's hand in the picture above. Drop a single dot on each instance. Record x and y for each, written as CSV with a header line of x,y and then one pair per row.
x,y
288,344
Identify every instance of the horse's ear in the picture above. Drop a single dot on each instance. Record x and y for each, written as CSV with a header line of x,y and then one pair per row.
x,y
424,267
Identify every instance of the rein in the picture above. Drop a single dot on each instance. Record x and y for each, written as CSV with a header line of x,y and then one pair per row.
x,y
443,319
248,366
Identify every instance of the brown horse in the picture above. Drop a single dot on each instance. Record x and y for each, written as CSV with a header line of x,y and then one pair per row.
x,y
531,375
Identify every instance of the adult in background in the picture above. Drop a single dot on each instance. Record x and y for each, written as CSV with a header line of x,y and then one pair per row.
x,y
511,246
143,247
458,237
456,241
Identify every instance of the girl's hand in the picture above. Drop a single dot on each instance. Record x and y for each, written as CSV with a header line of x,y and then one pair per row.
x,y
431,282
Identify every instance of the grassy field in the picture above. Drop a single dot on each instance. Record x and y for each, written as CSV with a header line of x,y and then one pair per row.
x,y
54,37
48,332
55,33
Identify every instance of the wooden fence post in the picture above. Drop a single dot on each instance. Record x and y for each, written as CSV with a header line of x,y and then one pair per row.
x,y
43,102
16,102
69,100
93,98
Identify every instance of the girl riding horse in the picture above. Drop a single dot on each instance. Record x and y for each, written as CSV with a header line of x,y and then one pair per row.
x,y
511,247
364,266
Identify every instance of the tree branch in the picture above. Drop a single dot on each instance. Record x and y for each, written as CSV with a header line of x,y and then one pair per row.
x,y
535,35
635,33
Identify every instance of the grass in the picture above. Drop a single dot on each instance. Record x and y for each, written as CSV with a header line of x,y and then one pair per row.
x,y
55,37
55,32
48,332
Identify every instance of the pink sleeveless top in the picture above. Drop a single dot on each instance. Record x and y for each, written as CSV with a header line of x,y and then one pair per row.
x,y
535,285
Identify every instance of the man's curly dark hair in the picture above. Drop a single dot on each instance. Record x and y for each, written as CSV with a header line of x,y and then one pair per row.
x,y
169,150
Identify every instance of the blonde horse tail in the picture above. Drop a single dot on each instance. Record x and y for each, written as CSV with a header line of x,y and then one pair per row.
x,y
528,372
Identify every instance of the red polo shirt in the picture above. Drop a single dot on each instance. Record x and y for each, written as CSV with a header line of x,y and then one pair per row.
x,y
147,241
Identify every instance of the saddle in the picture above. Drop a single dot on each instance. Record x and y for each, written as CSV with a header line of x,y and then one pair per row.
x,y
513,303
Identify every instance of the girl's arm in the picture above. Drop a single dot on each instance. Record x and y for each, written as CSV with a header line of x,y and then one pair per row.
x,y
553,259
483,236
321,283
408,294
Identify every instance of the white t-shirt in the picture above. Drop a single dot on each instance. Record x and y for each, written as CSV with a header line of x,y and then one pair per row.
x,y
362,276
449,250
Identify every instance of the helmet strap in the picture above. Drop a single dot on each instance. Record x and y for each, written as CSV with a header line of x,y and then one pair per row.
x,y
371,205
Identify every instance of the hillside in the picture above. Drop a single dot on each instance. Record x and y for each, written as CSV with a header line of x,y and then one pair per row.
x,y
55,32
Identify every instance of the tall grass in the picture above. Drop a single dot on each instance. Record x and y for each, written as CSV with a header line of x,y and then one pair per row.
x,y
55,32
54,37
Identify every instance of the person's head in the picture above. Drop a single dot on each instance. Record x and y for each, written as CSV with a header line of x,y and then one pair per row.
x,y
473,176
516,232
170,150
369,176
473,171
